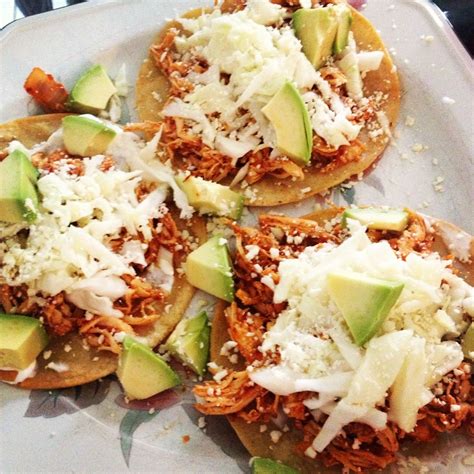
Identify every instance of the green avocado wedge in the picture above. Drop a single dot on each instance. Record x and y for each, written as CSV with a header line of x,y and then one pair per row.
x,y
287,107
19,198
92,91
211,198
468,342
142,372
209,268
22,338
269,466
377,218
316,28
344,18
363,301
86,136
189,342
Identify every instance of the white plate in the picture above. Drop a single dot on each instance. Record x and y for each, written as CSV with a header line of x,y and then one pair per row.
x,y
85,430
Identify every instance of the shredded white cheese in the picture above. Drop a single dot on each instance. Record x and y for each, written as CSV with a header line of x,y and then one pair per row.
x,y
59,367
68,242
68,248
258,53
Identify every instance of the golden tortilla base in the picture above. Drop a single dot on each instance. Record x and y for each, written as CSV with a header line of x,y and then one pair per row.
x,y
260,444
82,366
152,92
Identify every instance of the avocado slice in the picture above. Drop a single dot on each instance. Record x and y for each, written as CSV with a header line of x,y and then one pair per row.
x,y
23,156
22,338
468,342
212,198
189,342
209,268
363,301
92,91
316,28
19,199
142,372
270,466
377,218
289,116
86,136
344,22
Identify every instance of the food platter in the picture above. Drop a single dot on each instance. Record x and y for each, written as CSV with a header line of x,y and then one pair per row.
x,y
86,428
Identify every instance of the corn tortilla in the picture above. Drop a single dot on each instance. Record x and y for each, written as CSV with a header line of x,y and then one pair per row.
x,y
152,92
86,365
260,444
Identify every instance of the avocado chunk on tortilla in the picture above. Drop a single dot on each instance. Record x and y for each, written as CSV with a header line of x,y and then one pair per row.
x,y
269,466
377,218
86,136
22,338
468,342
142,372
92,91
189,342
316,29
212,198
19,197
363,301
344,19
287,107
209,268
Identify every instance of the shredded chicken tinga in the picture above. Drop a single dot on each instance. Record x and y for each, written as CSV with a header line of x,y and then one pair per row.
x,y
170,90
253,410
138,305
188,151
93,319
